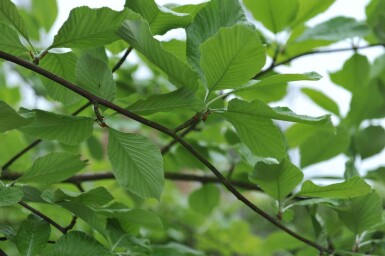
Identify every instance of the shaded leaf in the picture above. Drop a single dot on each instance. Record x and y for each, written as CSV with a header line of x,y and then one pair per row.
x,y
9,15
369,141
204,199
10,119
322,100
10,195
10,42
175,249
48,11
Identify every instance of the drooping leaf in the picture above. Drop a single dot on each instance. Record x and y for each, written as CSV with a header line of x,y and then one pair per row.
x,y
231,57
89,28
62,65
94,75
207,22
137,33
66,129
137,163
322,100
10,119
9,15
32,235
361,213
161,19
276,179
307,9
182,98
204,199
10,195
10,42
275,15
369,141
80,244
51,168
336,29
353,187
95,197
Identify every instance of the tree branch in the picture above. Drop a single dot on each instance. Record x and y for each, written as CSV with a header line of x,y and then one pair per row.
x,y
93,98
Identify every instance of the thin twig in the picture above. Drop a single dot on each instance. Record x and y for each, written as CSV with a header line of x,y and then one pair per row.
x,y
166,148
71,225
122,60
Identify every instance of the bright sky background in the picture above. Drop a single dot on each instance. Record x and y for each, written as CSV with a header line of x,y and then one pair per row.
x,y
323,64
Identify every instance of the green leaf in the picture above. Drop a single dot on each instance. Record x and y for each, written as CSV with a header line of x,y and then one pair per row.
x,y
10,196
277,180
232,57
161,19
378,174
79,244
140,218
66,129
137,33
52,168
275,15
9,118
214,15
32,235
10,42
307,9
89,28
9,15
95,197
48,12
179,99
137,163
8,232
175,249
176,47
94,75
205,199
336,29
322,100
62,65
95,148
369,141
362,213
353,187
298,133
323,145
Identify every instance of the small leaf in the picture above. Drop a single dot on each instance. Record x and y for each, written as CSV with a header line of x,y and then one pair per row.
x,y
10,119
95,197
137,33
95,148
350,188
204,199
9,15
89,28
94,75
322,100
179,99
52,168
277,180
231,57
32,235
361,213
10,42
79,244
137,163
336,29
66,129
369,141
175,249
10,196
275,15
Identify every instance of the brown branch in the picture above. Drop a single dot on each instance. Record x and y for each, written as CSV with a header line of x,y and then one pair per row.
x,y
122,60
93,98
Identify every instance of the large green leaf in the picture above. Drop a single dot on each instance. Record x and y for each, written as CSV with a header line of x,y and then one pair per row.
x,y
179,99
137,163
213,16
9,15
336,29
161,19
323,145
204,199
79,244
369,141
137,33
89,28
307,9
361,213
353,187
231,57
322,100
94,75
62,65
32,236
10,42
66,129
276,179
9,118
275,15
10,196
51,168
